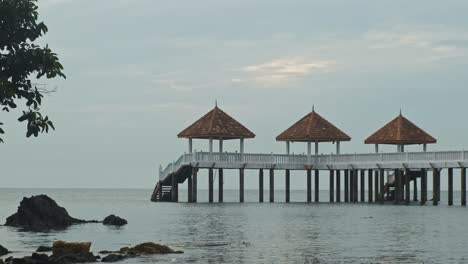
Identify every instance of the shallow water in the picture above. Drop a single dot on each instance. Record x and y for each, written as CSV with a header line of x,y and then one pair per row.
x,y
253,232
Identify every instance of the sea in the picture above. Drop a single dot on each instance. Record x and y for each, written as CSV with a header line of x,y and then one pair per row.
x,y
252,232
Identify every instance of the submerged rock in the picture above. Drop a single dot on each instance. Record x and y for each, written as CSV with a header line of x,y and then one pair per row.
x,y
148,248
114,258
114,220
44,249
39,213
3,251
44,259
62,248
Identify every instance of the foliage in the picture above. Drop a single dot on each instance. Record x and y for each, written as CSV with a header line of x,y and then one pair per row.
x,y
22,63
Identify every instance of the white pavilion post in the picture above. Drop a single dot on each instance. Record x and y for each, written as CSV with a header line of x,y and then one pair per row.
x,y
211,145
288,147
338,151
190,145
425,147
316,148
376,148
220,145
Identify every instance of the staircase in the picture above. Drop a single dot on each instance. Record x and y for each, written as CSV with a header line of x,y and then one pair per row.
x,y
161,193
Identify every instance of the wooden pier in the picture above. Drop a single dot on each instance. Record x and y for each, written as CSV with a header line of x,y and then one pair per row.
x,y
389,176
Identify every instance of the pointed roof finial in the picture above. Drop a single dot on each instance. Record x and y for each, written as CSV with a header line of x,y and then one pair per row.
x,y
400,111
313,108
216,103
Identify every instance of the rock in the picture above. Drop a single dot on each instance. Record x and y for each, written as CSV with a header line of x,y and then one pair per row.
x,y
61,248
148,248
73,258
114,220
1,261
44,249
3,251
113,258
40,213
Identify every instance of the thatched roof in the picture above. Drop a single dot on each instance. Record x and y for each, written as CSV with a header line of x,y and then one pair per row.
x,y
216,124
400,131
313,128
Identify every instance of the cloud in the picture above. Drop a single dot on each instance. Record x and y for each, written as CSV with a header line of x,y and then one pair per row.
x,y
284,69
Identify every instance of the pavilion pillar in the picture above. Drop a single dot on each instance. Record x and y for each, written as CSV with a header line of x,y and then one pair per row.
x,y
423,186
370,194
376,186
210,185
220,185
415,188
190,145
425,147
346,186
316,148
194,185
317,189
332,185
338,150
338,186
309,185
260,185
272,185
174,189
463,186
435,199
241,185
376,148
382,186
450,186
287,185
407,187
363,175
190,188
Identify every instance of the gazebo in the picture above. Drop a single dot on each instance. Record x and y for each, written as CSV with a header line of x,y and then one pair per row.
x,y
313,128
215,125
400,132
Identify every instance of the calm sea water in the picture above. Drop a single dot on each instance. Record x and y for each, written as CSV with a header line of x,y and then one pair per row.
x,y
253,232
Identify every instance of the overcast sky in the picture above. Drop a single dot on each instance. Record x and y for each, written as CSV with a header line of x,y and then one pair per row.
x,y
140,71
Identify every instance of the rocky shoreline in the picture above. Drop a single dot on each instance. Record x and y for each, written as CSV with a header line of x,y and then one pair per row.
x,y
41,214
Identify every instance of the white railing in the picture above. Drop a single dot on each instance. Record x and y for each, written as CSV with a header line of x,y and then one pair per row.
x,y
315,160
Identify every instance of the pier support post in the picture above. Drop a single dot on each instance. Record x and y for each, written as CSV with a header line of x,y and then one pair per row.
x,y
376,186
382,186
194,185
210,185
450,186
363,185
463,186
355,186
309,185
241,185
190,188
370,194
287,185
397,195
407,187
415,188
338,186
174,189
346,186
332,186
272,185
317,189
351,185
435,199
260,185
423,186
220,185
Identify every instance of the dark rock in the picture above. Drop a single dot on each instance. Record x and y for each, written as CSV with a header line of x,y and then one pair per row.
x,y
3,251
40,213
44,249
73,258
148,248
114,220
61,248
1,261
113,258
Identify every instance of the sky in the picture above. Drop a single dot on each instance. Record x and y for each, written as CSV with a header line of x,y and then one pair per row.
x,y
140,71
